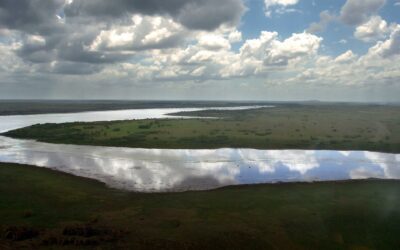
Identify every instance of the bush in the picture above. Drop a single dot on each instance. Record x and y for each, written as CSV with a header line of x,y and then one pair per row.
x,y
145,126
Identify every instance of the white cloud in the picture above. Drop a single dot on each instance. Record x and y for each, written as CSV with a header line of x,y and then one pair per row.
x,y
271,51
214,42
377,67
268,53
388,48
211,57
386,162
374,29
256,47
281,4
235,36
346,57
295,47
269,3
154,50
145,33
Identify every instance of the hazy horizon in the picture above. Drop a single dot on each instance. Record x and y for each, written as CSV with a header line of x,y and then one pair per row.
x,y
199,100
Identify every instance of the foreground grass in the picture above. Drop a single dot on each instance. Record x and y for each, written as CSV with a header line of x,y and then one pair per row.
x,y
40,208
341,127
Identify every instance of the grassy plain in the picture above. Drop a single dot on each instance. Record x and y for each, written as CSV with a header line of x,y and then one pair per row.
x,y
341,127
41,208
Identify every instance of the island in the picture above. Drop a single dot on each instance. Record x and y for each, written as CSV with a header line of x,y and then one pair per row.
x,y
290,126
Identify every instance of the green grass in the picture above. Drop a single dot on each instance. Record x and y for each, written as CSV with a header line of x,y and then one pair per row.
x,y
331,215
341,127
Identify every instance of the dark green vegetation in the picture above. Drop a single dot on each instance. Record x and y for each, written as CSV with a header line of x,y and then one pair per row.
x,y
341,127
48,209
24,107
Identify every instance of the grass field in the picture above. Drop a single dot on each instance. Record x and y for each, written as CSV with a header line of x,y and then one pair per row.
x,y
40,208
341,127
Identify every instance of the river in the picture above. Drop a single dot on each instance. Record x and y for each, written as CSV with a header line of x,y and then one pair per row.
x,y
162,170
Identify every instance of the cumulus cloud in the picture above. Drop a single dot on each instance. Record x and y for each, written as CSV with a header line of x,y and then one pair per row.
x,y
56,33
272,51
146,32
235,36
388,48
281,6
211,57
376,66
154,43
214,42
193,14
355,12
268,53
346,57
293,48
374,29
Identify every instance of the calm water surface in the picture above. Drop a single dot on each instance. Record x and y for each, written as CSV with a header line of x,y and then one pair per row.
x,y
159,170
176,170
19,121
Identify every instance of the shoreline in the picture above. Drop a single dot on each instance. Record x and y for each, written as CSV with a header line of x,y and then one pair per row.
x,y
221,188
278,128
283,148
43,107
43,208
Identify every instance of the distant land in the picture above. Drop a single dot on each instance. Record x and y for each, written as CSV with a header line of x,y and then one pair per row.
x,y
286,126
27,107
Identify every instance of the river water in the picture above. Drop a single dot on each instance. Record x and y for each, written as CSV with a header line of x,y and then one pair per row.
x,y
19,121
161,170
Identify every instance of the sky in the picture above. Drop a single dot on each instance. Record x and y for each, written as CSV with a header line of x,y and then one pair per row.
x,y
272,50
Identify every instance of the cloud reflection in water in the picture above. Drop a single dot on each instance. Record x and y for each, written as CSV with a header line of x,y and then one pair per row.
x,y
177,170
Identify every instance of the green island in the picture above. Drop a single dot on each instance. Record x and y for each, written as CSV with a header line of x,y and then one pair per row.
x,y
323,126
45,209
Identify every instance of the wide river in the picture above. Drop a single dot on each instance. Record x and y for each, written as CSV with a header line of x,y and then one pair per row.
x,y
159,170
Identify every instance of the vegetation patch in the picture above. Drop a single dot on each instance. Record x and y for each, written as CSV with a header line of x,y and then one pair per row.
x,y
71,212
337,127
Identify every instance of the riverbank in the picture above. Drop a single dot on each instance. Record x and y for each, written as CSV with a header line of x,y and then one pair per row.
x,y
48,209
29,107
320,127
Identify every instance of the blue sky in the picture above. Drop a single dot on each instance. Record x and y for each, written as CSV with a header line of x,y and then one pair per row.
x,y
308,11
329,50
